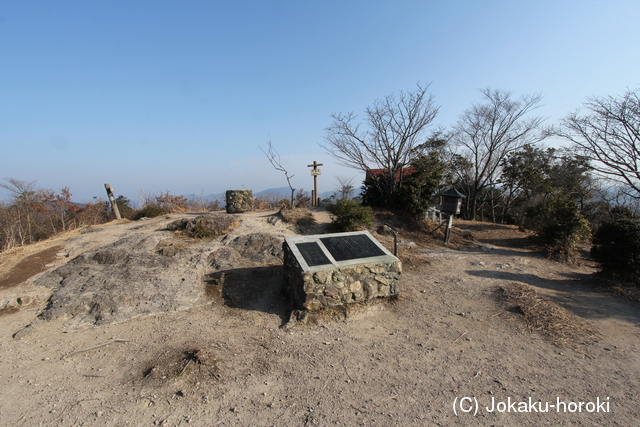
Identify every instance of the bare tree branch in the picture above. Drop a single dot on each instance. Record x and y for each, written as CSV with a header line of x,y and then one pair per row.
x,y
345,186
608,134
274,159
489,131
395,126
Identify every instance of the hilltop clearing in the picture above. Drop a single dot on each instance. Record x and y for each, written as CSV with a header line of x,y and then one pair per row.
x,y
132,323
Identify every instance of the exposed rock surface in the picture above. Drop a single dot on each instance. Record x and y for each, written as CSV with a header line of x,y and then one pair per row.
x,y
149,269
122,280
258,247
224,257
210,225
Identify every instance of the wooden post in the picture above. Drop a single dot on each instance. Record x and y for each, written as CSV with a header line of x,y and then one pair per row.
x,y
395,238
447,234
315,172
114,206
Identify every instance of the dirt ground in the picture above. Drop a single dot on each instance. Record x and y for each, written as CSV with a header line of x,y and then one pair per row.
x,y
448,351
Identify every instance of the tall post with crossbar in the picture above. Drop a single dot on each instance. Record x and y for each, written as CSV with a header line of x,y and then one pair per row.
x,y
315,199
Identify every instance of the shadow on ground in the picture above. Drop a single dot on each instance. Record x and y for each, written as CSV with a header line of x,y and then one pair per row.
x,y
507,236
504,251
29,267
252,288
580,293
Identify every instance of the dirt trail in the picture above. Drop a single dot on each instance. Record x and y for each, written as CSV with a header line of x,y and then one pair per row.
x,y
227,357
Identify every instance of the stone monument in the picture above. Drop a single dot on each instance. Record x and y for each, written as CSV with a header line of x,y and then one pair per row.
x,y
239,201
328,270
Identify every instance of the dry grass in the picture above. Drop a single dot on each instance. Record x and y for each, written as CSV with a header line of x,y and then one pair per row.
x,y
194,363
546,317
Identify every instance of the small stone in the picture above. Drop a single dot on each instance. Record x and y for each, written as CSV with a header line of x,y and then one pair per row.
x,y
26,300
323,277
338,276
377,269
382,280
331,292
356,286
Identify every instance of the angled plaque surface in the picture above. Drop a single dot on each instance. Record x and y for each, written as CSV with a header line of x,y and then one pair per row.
x,y
322,252
312,254
343,248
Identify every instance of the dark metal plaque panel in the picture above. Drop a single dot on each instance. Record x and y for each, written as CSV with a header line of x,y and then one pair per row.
x,y
312,254
344,248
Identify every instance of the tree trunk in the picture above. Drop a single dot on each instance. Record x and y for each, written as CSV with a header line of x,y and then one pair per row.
x,y
474,205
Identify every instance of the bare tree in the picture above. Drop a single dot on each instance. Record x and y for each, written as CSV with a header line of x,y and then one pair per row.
x,y
395,126
489,131
608,134
26,196
274,159
345,187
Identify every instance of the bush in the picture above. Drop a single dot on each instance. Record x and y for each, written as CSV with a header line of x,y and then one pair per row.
x,y
302,200
350,216
150,210
172,203
124,207
564,226
616,246
214,206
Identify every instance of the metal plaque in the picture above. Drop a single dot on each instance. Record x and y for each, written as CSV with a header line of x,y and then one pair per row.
x,y
312,254
344,248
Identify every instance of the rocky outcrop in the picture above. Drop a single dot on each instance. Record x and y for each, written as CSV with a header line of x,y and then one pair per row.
x,y
123,280
257,247
210,225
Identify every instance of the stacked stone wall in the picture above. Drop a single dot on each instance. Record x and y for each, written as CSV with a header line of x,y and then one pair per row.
x,y
239,201
314,290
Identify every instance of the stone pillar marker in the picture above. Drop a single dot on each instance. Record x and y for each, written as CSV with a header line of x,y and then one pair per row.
x,y
315,172
239,201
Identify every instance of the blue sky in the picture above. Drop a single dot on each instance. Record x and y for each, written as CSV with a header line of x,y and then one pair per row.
x,y
179,95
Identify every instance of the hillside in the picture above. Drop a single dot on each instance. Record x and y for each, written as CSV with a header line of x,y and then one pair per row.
x,y
130,323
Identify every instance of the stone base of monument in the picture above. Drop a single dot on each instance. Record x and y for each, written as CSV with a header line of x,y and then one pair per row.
x,y
329,270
